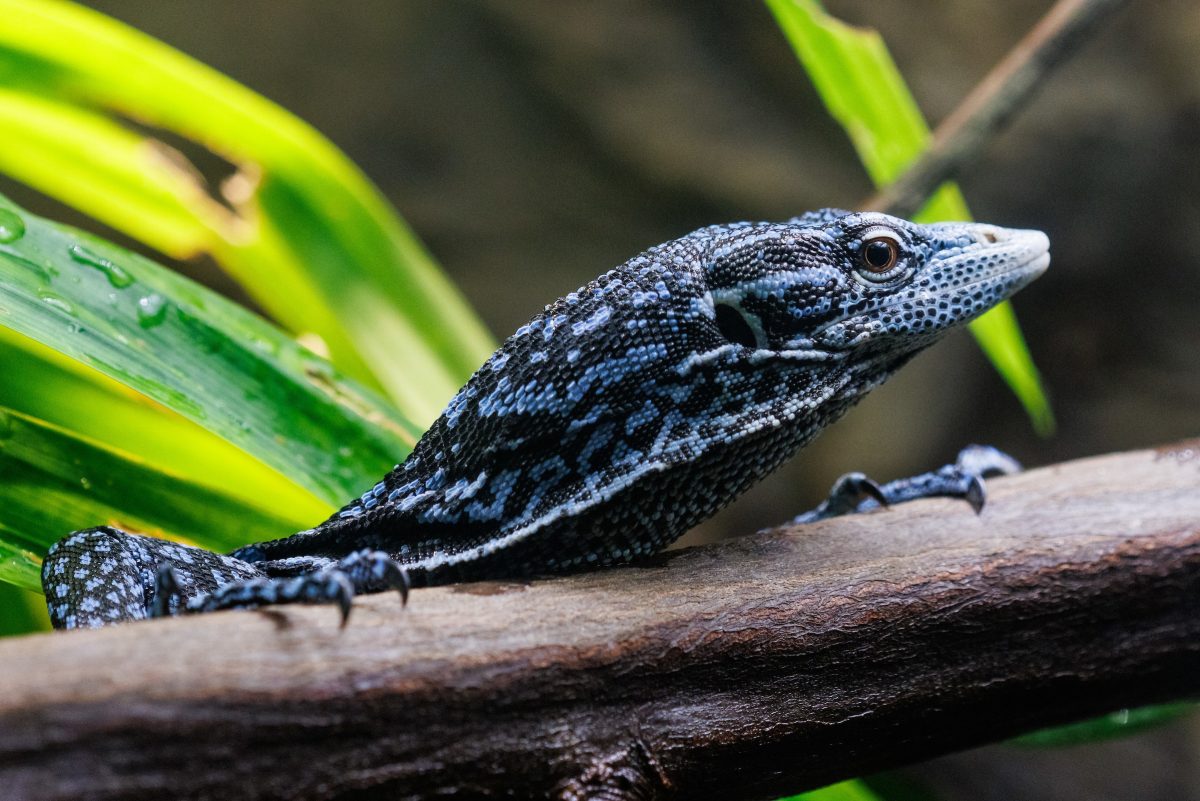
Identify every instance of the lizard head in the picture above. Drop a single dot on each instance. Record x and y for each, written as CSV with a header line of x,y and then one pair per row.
x,y
835,285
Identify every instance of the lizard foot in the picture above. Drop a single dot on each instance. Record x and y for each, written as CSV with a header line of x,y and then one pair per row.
x,y
338,582
854,492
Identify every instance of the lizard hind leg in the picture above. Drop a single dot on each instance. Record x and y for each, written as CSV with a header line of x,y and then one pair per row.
x,y
854,492
104,575
310,580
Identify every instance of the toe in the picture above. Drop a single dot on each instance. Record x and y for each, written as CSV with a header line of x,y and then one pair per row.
x,y
976,493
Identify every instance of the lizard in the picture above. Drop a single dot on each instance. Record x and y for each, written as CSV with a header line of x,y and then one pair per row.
x,y
620,416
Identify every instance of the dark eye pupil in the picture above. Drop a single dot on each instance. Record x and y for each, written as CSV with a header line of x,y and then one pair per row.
x,y
733,326
879,254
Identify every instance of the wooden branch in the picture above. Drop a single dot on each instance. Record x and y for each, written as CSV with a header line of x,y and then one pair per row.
x,y
745,670
991,104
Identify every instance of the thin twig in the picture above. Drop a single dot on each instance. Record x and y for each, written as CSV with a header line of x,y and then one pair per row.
x,y
987,109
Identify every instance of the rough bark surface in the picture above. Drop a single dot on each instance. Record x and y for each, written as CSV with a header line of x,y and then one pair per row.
x,y
745,670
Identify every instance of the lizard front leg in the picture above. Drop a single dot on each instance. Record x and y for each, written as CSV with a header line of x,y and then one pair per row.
x,y
855,492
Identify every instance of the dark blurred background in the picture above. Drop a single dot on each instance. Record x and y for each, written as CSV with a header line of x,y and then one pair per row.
x,y
533,145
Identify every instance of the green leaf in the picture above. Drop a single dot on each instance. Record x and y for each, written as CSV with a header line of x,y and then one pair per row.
x,y
843,791
53,481
21,611
1117,724
94,163
197,354
863,90
19,563
296,223
44,383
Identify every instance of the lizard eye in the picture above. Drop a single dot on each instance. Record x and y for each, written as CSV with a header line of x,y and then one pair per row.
x,y
879,254
733,326
880,257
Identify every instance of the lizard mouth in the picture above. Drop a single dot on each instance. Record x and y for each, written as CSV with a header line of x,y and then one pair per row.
x,y
1003,259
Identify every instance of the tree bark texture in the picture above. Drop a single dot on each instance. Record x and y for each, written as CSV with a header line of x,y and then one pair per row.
x,y
746,670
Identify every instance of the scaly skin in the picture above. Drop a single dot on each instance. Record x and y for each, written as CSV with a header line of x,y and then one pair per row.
x,y
615,420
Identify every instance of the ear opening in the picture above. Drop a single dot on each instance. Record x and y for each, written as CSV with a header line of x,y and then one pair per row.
x,y
733,325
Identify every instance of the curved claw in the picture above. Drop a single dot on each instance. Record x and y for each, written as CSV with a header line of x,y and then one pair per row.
x,y
976,493
376,570
852,488
870,488
848,495
343,594
166,587
397,578
977,462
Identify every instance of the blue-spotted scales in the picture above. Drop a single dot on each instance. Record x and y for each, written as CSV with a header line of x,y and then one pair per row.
x,y
616,419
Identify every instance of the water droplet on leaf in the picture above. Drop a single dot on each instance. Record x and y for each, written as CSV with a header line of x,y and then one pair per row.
x,y
115,274
151,311
12,227
85,483
54,301
265,345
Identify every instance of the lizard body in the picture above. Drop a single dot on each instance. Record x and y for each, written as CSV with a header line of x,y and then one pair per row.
x,y
617,418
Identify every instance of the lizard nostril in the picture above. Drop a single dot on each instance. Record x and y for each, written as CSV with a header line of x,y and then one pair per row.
x,y
989,237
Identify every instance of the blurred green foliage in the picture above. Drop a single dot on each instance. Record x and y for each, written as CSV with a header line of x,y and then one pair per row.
x,y
1121,723
843,791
